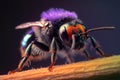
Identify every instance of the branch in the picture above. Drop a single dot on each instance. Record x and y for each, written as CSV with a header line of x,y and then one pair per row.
x,y
81,70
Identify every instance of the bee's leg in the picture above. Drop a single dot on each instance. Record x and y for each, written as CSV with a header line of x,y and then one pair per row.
x,y
53,60
87,55
24,59
69,59
53,49
97,47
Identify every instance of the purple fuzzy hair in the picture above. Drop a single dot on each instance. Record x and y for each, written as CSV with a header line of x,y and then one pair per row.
x,y
55,14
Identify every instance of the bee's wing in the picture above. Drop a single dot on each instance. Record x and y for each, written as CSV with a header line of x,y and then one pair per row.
x,y
28,24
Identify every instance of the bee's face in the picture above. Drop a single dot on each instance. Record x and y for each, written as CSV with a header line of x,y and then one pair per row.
x,y
66,30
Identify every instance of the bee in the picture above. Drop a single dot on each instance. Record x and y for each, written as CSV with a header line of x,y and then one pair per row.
x,y
74,35
57,30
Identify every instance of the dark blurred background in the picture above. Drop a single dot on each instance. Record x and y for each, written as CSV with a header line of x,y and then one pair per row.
x,y
94,13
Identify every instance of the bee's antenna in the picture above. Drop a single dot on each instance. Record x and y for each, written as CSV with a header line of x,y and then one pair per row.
x,y
100,28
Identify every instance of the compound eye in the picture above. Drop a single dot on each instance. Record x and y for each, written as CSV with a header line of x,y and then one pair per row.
x,y
63,32
63,28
